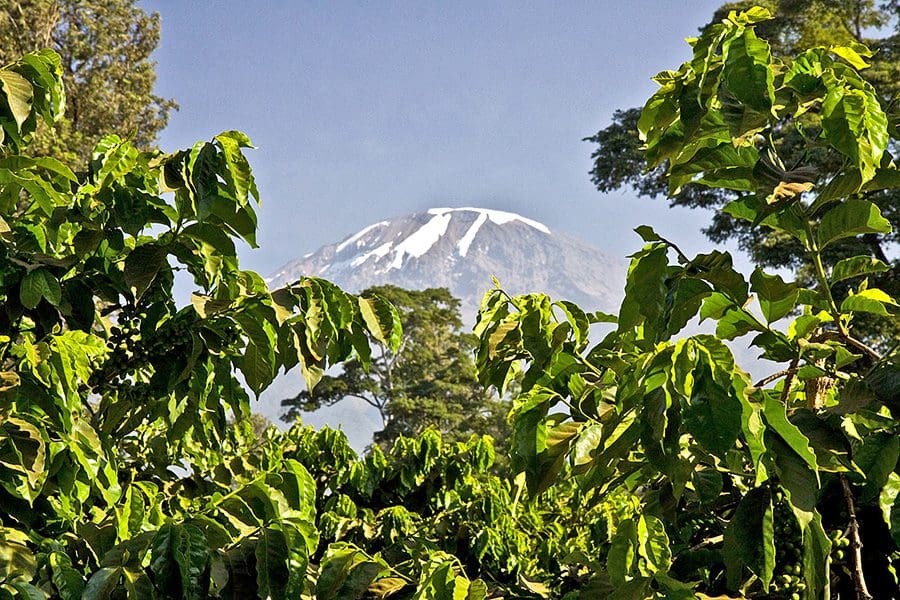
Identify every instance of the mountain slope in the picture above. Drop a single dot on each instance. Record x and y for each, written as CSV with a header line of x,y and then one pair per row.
x,y
461,249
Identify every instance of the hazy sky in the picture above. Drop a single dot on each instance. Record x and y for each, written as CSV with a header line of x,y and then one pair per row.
x,y
366,111
369,110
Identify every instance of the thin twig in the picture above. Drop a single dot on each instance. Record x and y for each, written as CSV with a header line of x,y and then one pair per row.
x,y
771,378
859,580
711,541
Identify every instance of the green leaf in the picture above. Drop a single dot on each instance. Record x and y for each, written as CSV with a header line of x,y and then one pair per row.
x,y
68,582
871,300
747,73
271,564
877,457
39,283
645,290
382,321
102,584
776,418
713,414
854,53
238,170
708,484
621,555
888,500
717,268
258,362
141,266
26,591
800,483
816,558
776,298
851,218
854,124
653,544
19,95
347,573
750,539
178,560
855,266
634,589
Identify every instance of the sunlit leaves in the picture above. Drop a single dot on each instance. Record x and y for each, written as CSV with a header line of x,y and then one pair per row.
x,y
39,284
747,72
854,123
871,300
776,298
853,217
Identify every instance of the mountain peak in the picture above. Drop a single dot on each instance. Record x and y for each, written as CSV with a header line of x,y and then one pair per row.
x,y
461,249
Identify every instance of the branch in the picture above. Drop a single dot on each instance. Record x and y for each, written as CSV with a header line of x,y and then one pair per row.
x,y
862,347
789,380
859,580
772,377
842,336
711,541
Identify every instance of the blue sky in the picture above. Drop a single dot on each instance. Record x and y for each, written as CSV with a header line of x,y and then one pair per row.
x,y
363,111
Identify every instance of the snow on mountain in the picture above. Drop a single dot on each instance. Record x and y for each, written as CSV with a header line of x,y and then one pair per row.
x,y
461,249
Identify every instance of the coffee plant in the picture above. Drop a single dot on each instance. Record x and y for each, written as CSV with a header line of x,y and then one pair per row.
x,y
644,465
786,487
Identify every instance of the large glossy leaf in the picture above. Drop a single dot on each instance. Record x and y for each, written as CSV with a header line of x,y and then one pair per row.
x,y
855,125
776,419
622,552
776,298
179,559
749,538
817,559
382,320
800,482
645,290
142,266
877,458
856,266
713,414
850,218
271,564
19,95
103,583
870,300
38,284
747,72
68,581
347,572
653,544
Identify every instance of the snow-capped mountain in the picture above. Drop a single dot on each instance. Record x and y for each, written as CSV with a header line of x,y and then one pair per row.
x,y
461,249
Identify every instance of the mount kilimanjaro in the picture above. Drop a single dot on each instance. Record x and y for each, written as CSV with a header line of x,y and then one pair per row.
x,y
461,249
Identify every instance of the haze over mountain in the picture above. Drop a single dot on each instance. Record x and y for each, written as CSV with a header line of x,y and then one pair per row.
x,y
457,248
461,249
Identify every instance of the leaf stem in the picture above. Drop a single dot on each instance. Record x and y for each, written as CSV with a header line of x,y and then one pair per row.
x,y
859,580
816,254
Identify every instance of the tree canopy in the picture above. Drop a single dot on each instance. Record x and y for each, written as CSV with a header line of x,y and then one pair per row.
x,y
644,464
105,47
619,160
429,380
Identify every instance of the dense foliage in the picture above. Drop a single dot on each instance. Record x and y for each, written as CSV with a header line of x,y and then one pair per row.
x,y
644,465
619,160
809,452
429,380
105,47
